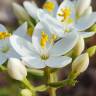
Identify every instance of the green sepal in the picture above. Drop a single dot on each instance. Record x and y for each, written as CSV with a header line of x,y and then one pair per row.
x,y
91,51
41,88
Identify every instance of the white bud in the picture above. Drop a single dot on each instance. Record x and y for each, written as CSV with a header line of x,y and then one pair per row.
x,y
16,69
79,47
80,64
88,11
26,92
19,11
82,5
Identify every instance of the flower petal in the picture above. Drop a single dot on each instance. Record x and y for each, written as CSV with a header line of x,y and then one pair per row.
x,y
87,34
22,31
86,21
31,8
2,58
64,45
22,46
3,28
37,36
53,24
33,62
58,62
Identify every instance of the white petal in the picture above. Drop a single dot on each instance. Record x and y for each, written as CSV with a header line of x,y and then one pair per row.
x,y
37,36
86,21
87,34
6,49
22,46
66,4
31,8
51,22
2,58
64,45
12,53
58,62
22,31
3,28
33,62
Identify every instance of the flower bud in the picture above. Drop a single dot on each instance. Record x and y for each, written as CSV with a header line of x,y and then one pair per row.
x,y
82,5
16,69
91,51
79,47
26,92
88,11
20,13
80,64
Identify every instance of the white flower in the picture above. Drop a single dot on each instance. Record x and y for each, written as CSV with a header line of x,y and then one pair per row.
x,y
6,51
16,69
68,15
50,6
43,51
80,64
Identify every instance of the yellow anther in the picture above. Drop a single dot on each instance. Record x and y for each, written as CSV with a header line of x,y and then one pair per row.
x,y
4,35
49,6
44,39
66,12
30,32
53,38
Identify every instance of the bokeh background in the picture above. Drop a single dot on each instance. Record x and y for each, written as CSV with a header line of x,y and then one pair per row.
x,y
87,81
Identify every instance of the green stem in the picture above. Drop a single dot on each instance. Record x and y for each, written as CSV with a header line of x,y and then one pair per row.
x,y
49,78
3,68
29,86
35,72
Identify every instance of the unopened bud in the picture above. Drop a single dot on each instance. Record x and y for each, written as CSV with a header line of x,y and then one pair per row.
x,y
20,13
16,69
80,64
26,92
82,6
79,47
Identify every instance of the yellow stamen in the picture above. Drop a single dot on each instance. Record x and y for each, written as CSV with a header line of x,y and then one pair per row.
x,y
4,35
30,32
49,6
44,39
66,12
53,38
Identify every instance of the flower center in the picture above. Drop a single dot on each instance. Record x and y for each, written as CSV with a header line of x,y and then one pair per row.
x,y
44,57
44,39
66,12
49,6
4,35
